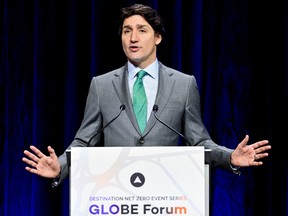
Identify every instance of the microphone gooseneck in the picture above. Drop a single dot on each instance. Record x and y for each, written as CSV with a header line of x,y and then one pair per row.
x,y
155,109
122,107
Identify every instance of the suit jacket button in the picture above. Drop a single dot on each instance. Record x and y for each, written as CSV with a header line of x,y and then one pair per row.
x,y
141,141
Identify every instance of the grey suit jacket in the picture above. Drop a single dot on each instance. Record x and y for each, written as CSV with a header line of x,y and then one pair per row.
x,y
179,107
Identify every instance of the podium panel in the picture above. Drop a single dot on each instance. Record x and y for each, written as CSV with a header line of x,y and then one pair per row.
x,y
138,181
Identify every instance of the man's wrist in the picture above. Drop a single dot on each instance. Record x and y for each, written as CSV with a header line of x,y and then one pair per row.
x,y
55,181
58,176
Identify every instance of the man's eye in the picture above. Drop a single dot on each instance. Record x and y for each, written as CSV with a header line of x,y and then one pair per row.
x,y
126,31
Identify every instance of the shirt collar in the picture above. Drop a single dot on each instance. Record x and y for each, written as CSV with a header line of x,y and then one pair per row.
x,y
152,70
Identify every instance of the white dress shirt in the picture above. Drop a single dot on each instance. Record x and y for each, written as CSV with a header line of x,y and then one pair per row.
x,y
150,82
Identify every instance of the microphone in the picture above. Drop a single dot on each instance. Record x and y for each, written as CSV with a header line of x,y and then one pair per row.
x,y
155,109
122,107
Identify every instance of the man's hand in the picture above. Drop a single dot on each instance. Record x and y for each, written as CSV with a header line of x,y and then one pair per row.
x,y
249,155
40,164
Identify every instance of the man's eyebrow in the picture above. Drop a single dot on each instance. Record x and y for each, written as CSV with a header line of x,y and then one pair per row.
x,y
138,26
141,26
127,26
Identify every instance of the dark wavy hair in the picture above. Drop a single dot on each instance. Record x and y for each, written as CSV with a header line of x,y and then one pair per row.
x,y
148,13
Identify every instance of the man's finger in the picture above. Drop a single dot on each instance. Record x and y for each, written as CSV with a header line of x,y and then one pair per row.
x,y
37,151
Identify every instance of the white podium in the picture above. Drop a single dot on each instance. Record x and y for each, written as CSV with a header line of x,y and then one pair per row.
x,y
139,181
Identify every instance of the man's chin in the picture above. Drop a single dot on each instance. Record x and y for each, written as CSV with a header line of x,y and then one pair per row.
x,y
135,61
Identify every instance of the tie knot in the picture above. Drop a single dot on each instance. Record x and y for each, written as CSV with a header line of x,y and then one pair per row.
x,y
141,74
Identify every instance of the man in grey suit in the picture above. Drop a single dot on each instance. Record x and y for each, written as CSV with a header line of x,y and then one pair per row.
x,y
172,97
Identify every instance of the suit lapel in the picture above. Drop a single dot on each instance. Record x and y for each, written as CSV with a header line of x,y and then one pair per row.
x,y
165,88
120,83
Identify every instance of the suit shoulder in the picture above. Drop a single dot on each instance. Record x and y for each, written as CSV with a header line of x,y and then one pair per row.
x,y
109,74
176,73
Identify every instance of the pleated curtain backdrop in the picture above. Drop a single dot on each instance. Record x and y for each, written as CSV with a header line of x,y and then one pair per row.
x,y
237,51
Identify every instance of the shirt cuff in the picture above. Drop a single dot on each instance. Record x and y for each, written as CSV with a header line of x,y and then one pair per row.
x,y
235,170
55,181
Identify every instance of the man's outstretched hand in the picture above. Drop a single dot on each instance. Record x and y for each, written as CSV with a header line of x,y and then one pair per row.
x,y
40,164
249,155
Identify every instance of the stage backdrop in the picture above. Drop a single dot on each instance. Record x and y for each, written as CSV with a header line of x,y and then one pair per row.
x,y
237,51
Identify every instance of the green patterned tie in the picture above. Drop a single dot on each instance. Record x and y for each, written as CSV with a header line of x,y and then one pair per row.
x,y
140,101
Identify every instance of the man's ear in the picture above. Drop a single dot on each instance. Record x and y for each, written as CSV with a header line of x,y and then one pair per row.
x,y
158,39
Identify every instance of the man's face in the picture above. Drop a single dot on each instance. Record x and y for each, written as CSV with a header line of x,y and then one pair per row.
x,y
139,41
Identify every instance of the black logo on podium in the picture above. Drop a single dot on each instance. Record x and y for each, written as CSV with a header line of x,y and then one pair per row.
x,y
137,179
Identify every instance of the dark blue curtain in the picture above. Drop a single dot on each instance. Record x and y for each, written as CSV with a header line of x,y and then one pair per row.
x,y
236,49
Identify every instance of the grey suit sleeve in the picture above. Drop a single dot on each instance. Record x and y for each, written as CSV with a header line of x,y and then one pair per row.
x,y
91,122
196,132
